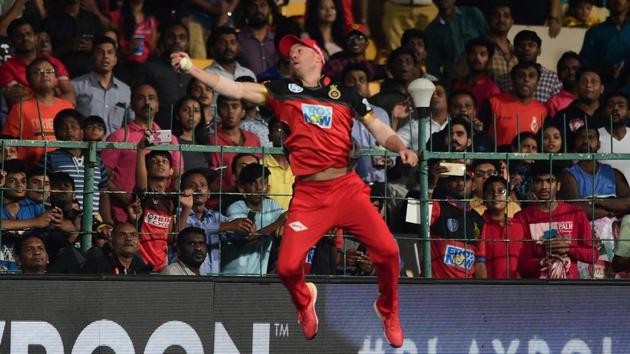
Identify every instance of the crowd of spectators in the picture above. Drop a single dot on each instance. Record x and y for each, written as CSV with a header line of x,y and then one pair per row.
x,y
99,70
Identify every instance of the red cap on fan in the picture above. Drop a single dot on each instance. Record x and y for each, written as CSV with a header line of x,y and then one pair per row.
x,y
290,40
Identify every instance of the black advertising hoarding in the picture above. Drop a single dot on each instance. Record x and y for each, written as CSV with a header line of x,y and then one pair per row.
x,y
177,315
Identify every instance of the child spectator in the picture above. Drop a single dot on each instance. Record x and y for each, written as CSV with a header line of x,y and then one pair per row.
x,y
501,234
557,234
20,215
579,14
189,131
94,129
250,254
195,184
154,208
67,126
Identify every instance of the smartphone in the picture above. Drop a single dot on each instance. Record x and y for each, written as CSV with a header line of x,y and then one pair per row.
x,y
162,137
252,216
454,169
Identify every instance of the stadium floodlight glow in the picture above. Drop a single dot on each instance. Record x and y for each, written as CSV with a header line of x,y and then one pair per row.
x,y
421,91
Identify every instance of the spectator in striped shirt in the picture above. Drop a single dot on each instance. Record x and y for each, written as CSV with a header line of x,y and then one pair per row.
x,y
67,127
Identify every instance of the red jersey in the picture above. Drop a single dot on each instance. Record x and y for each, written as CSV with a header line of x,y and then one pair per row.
x,y
503,245
320,122
14,72
157,215
455,241
569,221
513,117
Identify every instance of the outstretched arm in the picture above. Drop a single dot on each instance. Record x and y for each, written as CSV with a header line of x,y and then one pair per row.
x,y
249,91
388,138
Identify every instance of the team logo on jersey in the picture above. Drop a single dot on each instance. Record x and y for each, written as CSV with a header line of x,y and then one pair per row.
x,y
295,88
452,225
459,257
334,92
575,124
534,125
297,226
321,116
156,220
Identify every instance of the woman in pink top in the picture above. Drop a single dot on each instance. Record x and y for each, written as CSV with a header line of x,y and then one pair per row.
x,y
137,30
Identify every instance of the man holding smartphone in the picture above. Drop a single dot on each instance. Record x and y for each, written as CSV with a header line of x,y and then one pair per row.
x,y
557,234
320,115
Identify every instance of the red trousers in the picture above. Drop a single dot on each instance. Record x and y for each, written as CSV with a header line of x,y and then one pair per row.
x,y
342,202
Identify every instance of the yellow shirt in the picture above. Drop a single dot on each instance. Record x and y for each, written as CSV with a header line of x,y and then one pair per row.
x,y
478,206
280,181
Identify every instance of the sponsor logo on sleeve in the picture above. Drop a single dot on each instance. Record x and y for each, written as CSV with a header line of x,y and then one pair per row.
x,y
459,257
297,226
321,116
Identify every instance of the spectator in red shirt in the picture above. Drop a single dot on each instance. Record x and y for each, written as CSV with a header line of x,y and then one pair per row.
x,y
479,51
456,247
501,234
510,113
231,112
13,76
568,66
557,234
33,118
137,30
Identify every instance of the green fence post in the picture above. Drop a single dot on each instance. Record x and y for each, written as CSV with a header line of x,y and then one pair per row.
x,y
423,116
88,198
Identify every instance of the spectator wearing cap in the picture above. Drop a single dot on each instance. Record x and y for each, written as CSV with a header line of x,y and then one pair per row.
x,y
448,34
479,52
355,45
121,257
33,119
99,92
191,251
606,45
32,257
527,47
569,65
509,113
457,250
256,40
225,49
13,73
249,254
